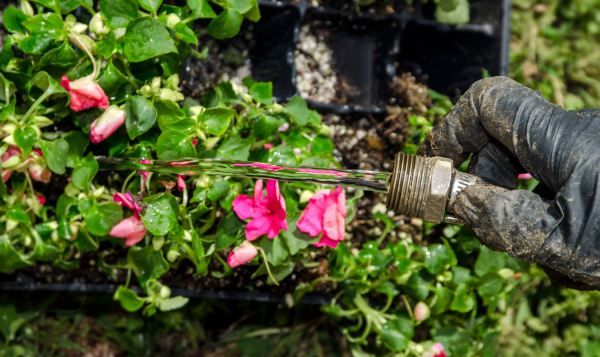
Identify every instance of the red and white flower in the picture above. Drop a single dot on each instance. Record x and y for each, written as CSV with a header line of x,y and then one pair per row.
x,y
85,93
242,255
106,124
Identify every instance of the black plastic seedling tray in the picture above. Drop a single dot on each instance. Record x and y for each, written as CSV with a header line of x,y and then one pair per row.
x,y
370,51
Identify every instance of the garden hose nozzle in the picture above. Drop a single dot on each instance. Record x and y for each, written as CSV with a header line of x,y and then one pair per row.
x,y
425,187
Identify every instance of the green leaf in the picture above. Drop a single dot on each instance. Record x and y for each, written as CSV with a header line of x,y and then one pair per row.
x,y
150,5
147,263
265,126
489,261
106,46
10,258
438,258
44,82
201,9
464,301
10,321
113,81
228,231
147,38
62,56
216,120
128,299
185,33
78,142
322,146
160,215
55,152
172,145
298,110
172,303
226,25
84,172
25,138
100,219
490,285
35,43
119,12
443,299
262,92
397,333
169,114
49,24
218,190
13,19
275,250
294,239
241,6
234,148
141,116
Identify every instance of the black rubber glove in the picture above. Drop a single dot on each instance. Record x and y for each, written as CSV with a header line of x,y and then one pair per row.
x,y
510,129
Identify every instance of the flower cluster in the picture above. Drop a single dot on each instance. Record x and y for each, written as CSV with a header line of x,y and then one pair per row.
x,y
325,215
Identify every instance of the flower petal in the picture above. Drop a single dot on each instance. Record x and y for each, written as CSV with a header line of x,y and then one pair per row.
x,y
131,229
106,124
333,224
244,207
260,225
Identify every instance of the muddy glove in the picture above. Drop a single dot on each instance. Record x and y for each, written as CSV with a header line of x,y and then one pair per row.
x,y
511,129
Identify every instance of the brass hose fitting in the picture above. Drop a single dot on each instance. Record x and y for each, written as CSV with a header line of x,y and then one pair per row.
x,y
425,187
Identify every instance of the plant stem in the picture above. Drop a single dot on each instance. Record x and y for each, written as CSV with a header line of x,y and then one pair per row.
x,y
36,104
264,256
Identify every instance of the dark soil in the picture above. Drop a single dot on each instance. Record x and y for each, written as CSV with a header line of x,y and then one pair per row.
x,y
225,60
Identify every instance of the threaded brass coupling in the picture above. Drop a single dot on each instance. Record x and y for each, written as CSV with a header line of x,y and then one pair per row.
x,y
425,187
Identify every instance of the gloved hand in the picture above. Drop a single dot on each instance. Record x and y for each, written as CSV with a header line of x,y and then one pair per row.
x,y
511,129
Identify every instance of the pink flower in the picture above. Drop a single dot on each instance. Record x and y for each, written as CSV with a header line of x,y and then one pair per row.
x,y
268,146
41,199
437,350
266,213
181,186
85,93
106,124
131,229
261,165
241,255
127,200
525,176
11,152
325,214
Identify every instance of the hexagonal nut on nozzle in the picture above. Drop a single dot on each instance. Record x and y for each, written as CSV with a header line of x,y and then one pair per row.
x,y
434,208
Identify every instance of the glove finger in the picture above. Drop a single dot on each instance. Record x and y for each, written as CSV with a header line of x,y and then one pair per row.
x,y
525,226
515,116
495,165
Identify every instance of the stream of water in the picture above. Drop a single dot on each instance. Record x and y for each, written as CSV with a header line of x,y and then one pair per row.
x,y
366,180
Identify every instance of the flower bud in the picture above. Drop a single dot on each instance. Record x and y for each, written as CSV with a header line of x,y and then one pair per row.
x,y
170,94
41,121
97,25
26,8
106,124
421,311
173,81
172,255
172,20
242,255
165,292
39,173
85,93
